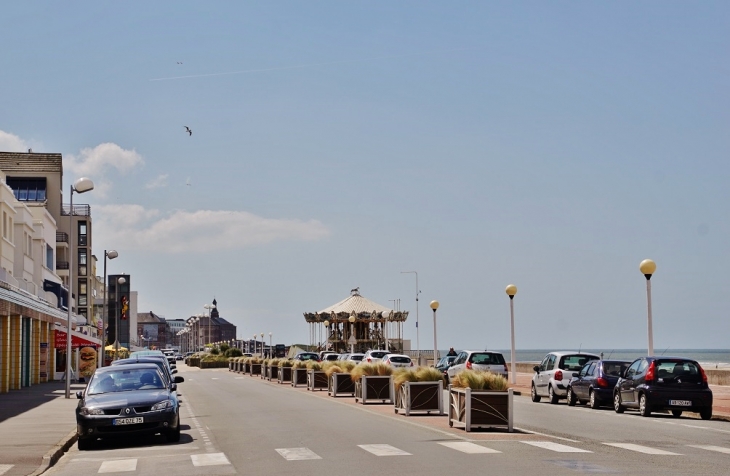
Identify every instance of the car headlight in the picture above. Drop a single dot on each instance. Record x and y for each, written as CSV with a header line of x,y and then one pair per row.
x,y
162,405
91,411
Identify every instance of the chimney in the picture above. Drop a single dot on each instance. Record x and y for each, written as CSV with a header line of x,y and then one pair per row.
x,y
30,151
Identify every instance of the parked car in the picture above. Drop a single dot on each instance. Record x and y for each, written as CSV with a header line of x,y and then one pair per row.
x,y
307,356
554,373
373,356
127,401
330,357
397,360
485,360
167,372
323,353
355,357
444,363
178,357
676,384
595,381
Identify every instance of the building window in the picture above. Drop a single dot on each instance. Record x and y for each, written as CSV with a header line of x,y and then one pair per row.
x,y
82,233
28,189
49,257
82,262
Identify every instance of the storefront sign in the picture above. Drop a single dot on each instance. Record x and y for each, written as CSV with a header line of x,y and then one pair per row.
x,y
76,342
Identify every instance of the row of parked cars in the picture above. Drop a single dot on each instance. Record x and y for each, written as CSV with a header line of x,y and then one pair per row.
x,y
647,384
371,357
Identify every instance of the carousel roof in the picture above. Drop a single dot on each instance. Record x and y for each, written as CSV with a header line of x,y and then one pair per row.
x,y
358,305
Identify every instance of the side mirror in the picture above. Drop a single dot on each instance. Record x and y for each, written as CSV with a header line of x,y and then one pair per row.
x,y
79,394
536,368
173,371
178,379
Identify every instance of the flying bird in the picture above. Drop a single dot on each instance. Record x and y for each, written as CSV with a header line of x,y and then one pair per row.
x,y
188,183
188,130
179,62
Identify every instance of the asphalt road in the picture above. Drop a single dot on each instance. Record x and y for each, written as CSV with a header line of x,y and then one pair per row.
x,y
237,424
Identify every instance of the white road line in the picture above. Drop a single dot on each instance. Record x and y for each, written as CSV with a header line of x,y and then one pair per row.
x,y
4,468
557,447
118,466
209,459
642,449
719,449
384,450
297,454
214,378
466,447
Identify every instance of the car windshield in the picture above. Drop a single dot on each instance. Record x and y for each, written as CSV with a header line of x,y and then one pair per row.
x,y
307,356
486,359
356,357
399,359
676,369
574,362
378,354
123,380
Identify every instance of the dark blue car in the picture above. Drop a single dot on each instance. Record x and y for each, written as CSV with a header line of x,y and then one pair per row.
x,y
595,381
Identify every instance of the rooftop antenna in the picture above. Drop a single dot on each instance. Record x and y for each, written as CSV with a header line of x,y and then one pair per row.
x,y
580,347
609,355
665,350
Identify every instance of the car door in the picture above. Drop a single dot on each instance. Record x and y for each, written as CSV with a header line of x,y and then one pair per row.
x,y
543,378
458,364
580,386
627,385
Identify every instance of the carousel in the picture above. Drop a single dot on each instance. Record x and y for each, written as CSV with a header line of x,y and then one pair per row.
x,y
358,324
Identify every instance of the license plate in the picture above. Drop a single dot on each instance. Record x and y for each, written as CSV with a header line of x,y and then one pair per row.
x,y
680,403
128,421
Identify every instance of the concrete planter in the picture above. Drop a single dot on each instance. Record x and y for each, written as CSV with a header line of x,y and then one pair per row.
x,y
255,369
374,389
470,409
285,374
299,376
245,367
317,380
420,397
341,384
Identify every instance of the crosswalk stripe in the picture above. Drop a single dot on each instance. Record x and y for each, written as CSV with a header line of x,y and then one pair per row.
x,y
557,447
719,449
467,447
384,450
4,468
297,454
209,459
642,449
118,466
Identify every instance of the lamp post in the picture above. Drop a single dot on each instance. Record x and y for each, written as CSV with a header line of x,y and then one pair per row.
x,y
120,282
352,334
326,333
82,185
254,344
418,343
262,344
511,290
647,268
111,254
434,305
271,352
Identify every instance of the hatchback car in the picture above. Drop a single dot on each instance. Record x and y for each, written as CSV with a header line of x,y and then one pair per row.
x,y
355,357
397,360
676,384
127,400
444,363
553,375
595,381
484,360
373,356
307,356
331,357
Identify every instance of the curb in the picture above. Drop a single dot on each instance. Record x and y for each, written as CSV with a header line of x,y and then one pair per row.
x,y
55,453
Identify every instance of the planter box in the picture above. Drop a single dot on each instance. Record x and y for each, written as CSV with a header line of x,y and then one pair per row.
x,y
299,376
231,366
317,380
272,373
341,384
245,367
284,374
255,369
420,397
374,389
213,365
470,409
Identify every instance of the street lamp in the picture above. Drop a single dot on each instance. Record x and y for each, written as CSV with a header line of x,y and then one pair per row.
x,y
647,268
326,333
120,282
111,254
418,343
262,344
270,348
352,335
254,344
82,185
511,290
434,305
209,307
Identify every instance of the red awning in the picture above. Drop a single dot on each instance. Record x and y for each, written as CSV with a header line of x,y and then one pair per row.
x,y
76,341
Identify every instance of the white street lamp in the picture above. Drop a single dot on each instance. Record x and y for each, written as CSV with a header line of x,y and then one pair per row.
x,y
111,254
82,185
262,344
511,290
647,268
352,334
435,305
271,352
208,307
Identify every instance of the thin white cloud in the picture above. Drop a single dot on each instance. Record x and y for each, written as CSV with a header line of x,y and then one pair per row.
x,y
134,227
12,143
159,182
94,162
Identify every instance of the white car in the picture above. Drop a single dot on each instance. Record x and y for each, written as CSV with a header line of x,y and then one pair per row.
x,y
355,357
484,360
553,375
374,356
397,360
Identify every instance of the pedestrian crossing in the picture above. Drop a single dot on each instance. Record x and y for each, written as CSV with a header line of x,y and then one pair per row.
x,y
506,448
4,468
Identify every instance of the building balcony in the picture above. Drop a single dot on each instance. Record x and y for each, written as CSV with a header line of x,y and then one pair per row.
x,y
61,237
78,210
61,264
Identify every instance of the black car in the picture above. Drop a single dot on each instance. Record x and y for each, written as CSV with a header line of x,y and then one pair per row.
x,y
127,401
664,383
307,356
160,361
595,381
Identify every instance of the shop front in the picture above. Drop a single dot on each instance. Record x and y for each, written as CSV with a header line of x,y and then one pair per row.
x,y
84,355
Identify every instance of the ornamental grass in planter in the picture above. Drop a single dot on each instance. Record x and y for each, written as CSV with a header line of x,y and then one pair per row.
x,y
418,390
285,371
373,382
480,400
211,361
272,369
338,377
316,376
254,366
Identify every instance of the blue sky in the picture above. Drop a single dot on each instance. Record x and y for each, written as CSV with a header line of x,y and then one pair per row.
x,y
553,145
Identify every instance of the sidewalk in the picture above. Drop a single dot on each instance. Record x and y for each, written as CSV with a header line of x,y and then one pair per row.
x,y
37,424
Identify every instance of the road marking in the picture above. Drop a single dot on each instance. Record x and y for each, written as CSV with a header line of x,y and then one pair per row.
x,y
4,468
719,449
384,450
118,466
466,447
642,449
297,454
557,447
214,378
209,459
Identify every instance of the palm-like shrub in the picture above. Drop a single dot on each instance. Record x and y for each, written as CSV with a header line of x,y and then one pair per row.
x,y
299,364
478,380
332,368
420,374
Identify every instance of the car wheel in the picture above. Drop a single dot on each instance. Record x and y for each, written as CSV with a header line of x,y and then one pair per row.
x,y
677,413
571,397
551,395
85,444
644,409
706,413
592,399
173,436
533,393
617,403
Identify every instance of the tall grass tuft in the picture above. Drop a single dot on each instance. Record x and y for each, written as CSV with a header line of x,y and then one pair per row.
x,y
313,365
286,363
332,369
477,380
